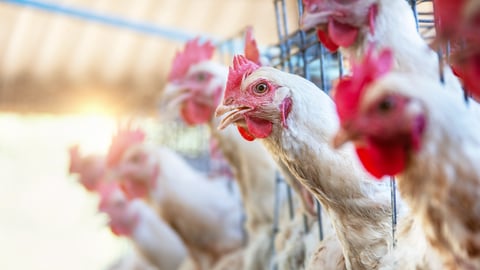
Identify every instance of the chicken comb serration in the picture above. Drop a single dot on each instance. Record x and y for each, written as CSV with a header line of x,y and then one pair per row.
x,y
241,68
251,49
121,141
193,53
350,89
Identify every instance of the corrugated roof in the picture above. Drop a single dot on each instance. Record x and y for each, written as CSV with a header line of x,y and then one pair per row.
x,y
53,62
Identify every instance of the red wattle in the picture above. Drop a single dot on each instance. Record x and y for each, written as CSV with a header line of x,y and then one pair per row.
x,y
381,161
343,35
245,134
194,113
326,41
259,128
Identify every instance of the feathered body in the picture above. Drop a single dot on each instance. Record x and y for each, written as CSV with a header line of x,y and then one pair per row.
x,y
296,121
442,182
140,223
134,219
197,91
252,166
202,212
439,178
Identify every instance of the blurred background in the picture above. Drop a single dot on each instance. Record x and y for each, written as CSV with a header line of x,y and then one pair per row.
x,y
69,72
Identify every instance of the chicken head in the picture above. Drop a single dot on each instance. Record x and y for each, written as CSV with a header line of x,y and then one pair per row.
x,y
194,83
339,22
253,99
384,124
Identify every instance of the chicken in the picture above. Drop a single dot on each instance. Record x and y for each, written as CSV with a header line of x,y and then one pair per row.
x,y
353,26
407,125
150,235
457,25
132,219
196,84
295,121
203,212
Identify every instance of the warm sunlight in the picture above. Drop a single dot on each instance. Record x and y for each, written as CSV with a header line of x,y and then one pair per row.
x,y
46,216
92,133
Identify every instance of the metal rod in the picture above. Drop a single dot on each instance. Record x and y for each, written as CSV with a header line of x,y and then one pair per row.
x,y
291,208
414,10
440,65
340,64
276,215
279,33
303,47
79,13
393,190
285,34
323,79
319,219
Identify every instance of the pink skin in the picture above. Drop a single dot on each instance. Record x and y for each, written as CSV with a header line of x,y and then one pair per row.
x,y
198,103
385,135
251,49
198,106
337,25
90,168
122,218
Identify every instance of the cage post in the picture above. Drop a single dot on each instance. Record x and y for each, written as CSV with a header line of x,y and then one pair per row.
x,y
282,31
276,215
393,195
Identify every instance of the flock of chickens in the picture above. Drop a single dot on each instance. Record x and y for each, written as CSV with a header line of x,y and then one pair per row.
x,y
400,112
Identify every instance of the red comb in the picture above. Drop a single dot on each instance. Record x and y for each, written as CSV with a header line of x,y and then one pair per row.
x,y
242,67
193,53
124,139
75,159
251,49
350,88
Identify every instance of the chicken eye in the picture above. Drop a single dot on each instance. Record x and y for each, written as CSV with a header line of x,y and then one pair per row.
x,y
137,158
201,77
386,104
261,88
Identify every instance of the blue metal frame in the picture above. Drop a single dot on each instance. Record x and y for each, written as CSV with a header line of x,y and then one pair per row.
x,y
84,14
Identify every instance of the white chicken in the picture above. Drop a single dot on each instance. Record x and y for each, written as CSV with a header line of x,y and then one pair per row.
x,y
132,219
296,121
196,84
353,26
203,212
406,125
150,235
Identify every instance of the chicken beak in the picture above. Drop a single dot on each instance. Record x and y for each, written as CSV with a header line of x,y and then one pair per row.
x,y
312,20
342,137
175,95
235,113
